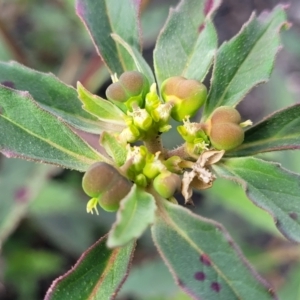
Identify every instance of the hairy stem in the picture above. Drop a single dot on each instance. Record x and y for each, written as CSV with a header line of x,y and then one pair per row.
x,y
154,144
179,151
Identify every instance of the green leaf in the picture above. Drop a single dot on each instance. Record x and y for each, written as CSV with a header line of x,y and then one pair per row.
x,y
136,213
30,132
104,17
187,43
113,148
233,199
103,109
270,187
140,63
279,131
246,60
51,94
20,183
98,274
203,258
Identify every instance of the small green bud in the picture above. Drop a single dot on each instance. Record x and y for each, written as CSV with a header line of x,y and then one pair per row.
x,y
110,200
130,134
141,118
173,164
166,184
226,136
153,166
187,96
98,178
141,180
225,114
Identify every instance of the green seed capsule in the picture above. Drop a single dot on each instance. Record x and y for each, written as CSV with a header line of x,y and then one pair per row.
x,y
98,178
226,136
134,83
116,92
131,89
186,95
110,200
225,114
167,183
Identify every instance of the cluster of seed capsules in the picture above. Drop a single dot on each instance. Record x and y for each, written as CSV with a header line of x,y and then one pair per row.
x,y
147,115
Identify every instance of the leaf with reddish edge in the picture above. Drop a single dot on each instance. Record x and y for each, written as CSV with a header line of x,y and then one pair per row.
x,y
98,274
140,63
30,132
136,213
270,187
104,17
188,41
246,60
203,258
51,94
279,131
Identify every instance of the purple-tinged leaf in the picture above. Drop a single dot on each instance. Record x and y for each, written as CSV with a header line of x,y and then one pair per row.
x,y
188,41
51,94
104,17
246,60
279,131
30,132
203,258
270,187
98,274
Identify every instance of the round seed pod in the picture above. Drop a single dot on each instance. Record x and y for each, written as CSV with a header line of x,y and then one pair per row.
x,y
116,92
186,95
110,200
166,184
226,136
226,114
134,83
98,178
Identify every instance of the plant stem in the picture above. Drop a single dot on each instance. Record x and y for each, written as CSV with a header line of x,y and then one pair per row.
x,y
179,151
154,144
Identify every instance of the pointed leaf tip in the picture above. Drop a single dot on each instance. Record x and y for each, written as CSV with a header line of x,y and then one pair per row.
x,y
101,271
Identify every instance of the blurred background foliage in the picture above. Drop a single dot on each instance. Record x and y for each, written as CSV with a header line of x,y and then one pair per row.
x,y
43,224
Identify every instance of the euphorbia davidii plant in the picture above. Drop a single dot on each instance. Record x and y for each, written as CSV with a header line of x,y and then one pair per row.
x,y
137,176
